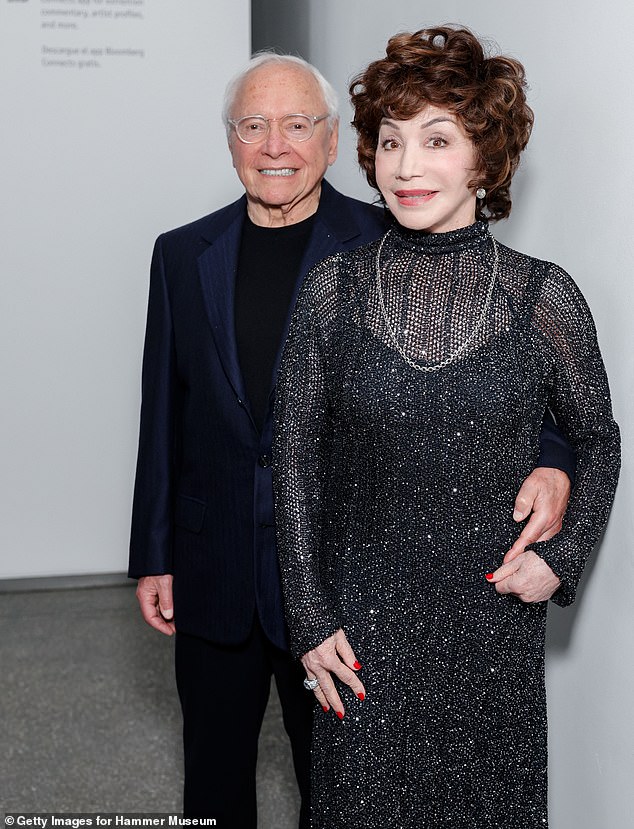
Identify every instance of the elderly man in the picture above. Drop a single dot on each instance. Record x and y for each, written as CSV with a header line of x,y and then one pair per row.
x,y
221,292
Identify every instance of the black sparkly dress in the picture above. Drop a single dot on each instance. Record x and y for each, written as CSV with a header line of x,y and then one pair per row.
x,y
394,496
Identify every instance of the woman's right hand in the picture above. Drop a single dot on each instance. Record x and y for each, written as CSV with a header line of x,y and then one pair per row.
x,y
333,656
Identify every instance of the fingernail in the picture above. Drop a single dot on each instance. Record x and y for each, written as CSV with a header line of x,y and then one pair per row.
x,y
517,515
361,697
489,576
357,665
324,709
340,715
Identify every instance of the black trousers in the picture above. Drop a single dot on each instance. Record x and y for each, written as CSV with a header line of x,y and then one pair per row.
x,y
223,691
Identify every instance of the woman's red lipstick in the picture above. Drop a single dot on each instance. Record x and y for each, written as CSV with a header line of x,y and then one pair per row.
x,y
414,197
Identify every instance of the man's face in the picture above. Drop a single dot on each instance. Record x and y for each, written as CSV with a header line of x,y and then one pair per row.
x,y
282,178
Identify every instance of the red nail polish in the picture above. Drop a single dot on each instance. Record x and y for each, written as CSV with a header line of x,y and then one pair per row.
x,y
361,697
340,715
357,665
489,576
324,709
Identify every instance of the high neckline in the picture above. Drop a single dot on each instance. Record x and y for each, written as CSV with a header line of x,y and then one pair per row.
x,y
473,236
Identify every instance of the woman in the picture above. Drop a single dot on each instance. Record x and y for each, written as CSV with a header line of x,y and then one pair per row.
x,y
410,400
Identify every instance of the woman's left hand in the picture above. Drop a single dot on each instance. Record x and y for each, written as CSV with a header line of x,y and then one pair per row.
x,y
528,577
333,656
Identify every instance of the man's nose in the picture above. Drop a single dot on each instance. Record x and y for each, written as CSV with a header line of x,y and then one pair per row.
x,y
275,143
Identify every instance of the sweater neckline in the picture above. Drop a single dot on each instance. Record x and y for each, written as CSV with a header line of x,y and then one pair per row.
x,y
475,235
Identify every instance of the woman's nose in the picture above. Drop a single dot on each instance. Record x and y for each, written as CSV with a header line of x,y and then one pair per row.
x,y
411,163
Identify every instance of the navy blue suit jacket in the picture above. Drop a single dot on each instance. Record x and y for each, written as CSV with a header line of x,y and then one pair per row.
x,y
203,501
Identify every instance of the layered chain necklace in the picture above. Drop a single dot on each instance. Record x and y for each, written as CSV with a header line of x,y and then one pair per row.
x,y
450,359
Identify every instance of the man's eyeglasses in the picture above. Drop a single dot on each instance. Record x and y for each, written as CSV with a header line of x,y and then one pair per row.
x,y
254,128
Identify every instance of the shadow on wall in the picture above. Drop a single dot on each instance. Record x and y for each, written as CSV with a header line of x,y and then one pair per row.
x,y
561,622
282,25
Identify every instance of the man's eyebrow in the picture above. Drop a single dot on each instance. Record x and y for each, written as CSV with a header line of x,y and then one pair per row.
x,y
438,120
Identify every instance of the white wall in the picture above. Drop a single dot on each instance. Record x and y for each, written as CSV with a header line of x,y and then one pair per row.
x,y
572,205
96,160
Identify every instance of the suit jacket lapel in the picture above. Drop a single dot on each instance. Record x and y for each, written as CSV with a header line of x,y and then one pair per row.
x,y
217,267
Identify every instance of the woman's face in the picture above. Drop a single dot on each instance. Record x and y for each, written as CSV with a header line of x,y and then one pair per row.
x,y
422,168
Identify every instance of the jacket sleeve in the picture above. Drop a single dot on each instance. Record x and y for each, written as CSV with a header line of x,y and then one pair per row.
x,y
300,452
554,449
152,518
580,399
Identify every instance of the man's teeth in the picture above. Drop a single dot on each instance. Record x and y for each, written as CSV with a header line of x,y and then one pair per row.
x,y
283,171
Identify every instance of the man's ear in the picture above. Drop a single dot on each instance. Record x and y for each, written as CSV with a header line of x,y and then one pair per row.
x,y
230,145
333,142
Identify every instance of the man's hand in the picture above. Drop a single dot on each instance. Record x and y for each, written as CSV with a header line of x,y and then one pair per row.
x,y
528,577
545,493
155,599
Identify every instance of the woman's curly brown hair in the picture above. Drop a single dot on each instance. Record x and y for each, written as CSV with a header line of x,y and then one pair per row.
x,y
448,67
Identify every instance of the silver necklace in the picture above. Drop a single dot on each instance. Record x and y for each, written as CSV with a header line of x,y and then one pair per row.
x,y
470,338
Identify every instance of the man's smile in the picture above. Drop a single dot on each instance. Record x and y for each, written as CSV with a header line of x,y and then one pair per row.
x,y
278,171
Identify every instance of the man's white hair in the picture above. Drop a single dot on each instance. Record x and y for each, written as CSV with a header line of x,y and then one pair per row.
x,y
263,59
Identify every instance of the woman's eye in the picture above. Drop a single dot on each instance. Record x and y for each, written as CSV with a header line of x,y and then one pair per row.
x,y
389,144
437,141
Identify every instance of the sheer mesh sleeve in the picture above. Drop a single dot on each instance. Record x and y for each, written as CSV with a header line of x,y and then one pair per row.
x,y
300,452
580,399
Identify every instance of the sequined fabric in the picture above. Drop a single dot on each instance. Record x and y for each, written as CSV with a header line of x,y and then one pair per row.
x,y
394,496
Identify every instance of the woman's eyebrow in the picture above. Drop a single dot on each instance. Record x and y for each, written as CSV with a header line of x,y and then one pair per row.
x,y
438,120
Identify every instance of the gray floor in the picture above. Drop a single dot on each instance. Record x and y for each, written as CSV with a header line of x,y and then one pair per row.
x,y
89,714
